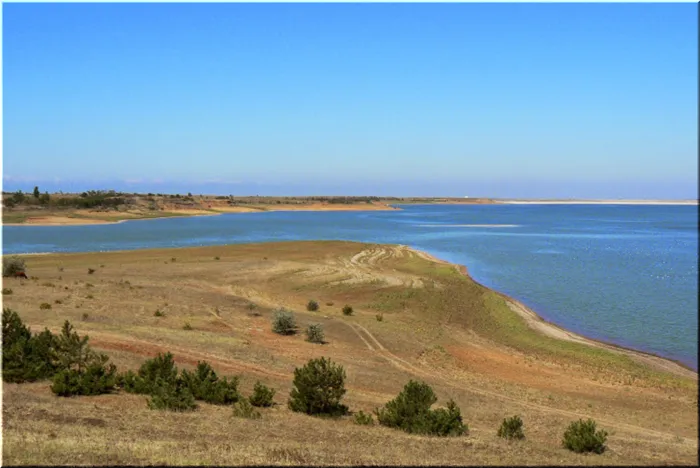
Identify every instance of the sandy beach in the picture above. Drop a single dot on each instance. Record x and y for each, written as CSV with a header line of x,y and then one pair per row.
x,y
62,220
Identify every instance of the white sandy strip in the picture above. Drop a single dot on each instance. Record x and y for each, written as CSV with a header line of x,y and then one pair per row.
x,y
599,202
471,225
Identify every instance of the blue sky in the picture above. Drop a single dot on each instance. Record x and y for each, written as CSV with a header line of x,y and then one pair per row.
x,y
501,100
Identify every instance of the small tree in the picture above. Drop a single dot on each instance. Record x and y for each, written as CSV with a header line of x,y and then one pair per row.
x,y
262,396
283,322
511,428
581,436
410,412
159,369
205,385
244,409
318,388
12,265
363,419
36,192
314,333
171,396
312,306
25,357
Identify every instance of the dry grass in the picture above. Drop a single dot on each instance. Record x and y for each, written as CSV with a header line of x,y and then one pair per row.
x,y
438,326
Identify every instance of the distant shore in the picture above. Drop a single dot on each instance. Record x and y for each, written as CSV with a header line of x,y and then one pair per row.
x,y
599,202
99,218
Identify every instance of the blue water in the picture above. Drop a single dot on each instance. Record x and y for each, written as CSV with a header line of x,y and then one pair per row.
x,y
626,274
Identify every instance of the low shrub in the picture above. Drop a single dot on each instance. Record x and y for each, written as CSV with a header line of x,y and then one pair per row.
x,y
58,301
312,306
159,313
85,316
511,428
347,310
318,387
410,411
44,306
379,317
159,370
89,296
581,436
91,271
6,291
363,419
283,322
205,385
96,379
262,396
26,357
187,326
171,396
217,258
244,409
329,304
12,265
314,333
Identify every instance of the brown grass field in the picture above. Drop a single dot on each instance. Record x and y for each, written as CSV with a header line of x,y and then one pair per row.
x,y
438,326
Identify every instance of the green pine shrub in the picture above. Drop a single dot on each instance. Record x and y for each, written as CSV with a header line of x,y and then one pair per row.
x,y
410,411
244,409
581,436
171,396
262,395
96,379
363,419
318,388
511,428
156,371
205,385
283,322
25,357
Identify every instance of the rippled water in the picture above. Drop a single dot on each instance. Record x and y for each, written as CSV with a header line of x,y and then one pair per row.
x,y
626,274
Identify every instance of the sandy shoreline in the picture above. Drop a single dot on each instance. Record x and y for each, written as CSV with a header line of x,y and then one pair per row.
x,y
51,220
537,323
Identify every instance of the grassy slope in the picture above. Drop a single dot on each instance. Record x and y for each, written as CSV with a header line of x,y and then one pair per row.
x,y
438,326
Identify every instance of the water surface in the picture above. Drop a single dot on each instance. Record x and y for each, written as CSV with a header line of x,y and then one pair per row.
x,y
626,274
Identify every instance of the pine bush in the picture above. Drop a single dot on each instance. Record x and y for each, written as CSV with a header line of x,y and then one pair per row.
x,y
581,436
318,388
205,385
511,428
410,411
262,395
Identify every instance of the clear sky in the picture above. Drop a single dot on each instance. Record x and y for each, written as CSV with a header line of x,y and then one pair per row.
x,y
500,100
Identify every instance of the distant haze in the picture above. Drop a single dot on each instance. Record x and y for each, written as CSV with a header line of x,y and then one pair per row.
x,y
480,100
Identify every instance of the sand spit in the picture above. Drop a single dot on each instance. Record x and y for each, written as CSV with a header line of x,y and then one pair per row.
x,y
599,202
